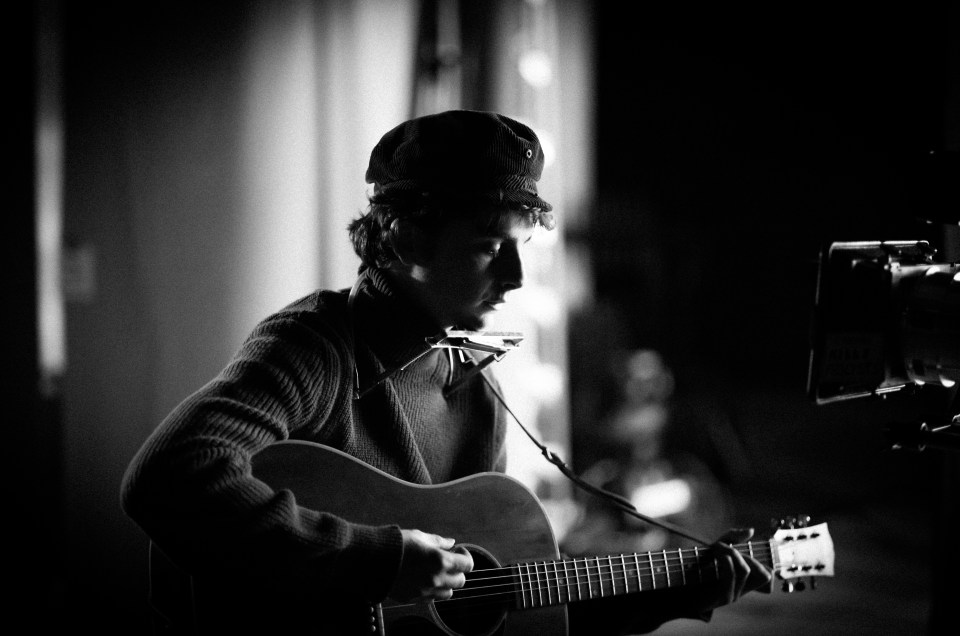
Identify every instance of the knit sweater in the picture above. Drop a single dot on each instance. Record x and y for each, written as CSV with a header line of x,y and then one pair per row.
x,y
190,486
270,561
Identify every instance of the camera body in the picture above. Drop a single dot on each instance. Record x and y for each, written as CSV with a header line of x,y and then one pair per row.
x,y
886,316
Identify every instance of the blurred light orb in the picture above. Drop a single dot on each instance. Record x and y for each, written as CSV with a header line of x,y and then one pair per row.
x,y
536,68
664,498
549,148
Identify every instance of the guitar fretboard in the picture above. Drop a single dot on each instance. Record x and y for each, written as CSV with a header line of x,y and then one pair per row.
x,y
543,583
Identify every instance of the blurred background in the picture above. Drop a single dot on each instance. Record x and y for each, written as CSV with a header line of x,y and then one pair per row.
x,y
183,169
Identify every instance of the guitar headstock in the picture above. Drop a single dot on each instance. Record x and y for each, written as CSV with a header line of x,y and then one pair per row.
x,y
800,551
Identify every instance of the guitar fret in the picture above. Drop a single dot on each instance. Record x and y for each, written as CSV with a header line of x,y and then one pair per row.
x,y
540,585
533,587
556,578
576,574
560,580
636,561
523,591
613,577
530,585
626,579
566,582
546,577
546,581
523,588
525,585
683,569
599,576
556,582
562,583
696,555
536,571
653,578
666,567
586,565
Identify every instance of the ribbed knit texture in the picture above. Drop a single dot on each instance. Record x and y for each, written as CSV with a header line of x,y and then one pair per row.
x,y
190,486
274,564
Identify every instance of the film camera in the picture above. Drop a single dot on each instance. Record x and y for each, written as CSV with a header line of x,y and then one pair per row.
x,y
887,316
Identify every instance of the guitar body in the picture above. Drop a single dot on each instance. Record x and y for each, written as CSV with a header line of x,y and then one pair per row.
x,y
519,585
494,516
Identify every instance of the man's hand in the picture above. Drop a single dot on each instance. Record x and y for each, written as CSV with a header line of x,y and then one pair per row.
x,y
736,574
430,568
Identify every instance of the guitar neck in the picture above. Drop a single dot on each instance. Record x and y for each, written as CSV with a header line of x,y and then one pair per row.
x,y
543,583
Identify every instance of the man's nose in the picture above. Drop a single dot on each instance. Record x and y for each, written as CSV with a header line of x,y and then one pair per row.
x,y
511,269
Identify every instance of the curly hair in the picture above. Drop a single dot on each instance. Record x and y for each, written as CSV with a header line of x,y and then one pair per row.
x,y
370,233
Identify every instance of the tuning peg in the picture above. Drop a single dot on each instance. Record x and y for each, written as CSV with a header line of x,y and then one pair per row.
x,y
813,582
802,521
801,586
788,586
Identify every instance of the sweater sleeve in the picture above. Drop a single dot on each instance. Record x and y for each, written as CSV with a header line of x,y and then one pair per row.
x,y
191,488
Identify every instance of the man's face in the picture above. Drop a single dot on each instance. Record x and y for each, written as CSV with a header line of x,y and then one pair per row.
x,y
471,267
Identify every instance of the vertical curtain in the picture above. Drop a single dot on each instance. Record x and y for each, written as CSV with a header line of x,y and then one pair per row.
x,y
215,153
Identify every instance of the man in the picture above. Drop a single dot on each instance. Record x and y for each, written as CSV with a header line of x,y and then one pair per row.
x,y
454,203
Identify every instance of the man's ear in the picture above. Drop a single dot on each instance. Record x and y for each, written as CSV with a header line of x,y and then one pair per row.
x,y
409,242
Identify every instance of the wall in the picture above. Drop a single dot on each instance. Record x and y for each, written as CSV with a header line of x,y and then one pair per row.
x,y
210,150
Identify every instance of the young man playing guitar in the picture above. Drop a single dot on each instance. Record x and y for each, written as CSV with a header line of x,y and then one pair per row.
x,y
454,203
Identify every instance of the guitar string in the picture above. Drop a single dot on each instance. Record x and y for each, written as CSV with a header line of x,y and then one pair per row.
x,y
477,605
558,584
606,570
759,549
595,568
474,604
553,590
591,570
554,593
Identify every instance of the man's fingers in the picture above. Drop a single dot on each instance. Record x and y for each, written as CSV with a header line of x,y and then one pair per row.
x,y
455,562
733,571
741,572
445,584
432,566
444,543
462,560
759,578
737,535
725,580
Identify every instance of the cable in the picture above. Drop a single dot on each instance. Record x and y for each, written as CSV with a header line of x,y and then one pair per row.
x,y
617,500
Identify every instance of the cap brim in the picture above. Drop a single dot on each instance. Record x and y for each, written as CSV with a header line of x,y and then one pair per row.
x,y
518,199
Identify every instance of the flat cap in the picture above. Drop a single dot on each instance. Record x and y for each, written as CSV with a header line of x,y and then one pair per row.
x,y
466,152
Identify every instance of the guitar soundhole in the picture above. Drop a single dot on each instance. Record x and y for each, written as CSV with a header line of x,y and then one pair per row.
x,y
479,607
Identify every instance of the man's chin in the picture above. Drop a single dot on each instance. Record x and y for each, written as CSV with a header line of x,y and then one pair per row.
x,y
472,323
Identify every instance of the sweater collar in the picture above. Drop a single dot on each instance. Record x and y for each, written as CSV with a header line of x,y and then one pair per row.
x,y
392,324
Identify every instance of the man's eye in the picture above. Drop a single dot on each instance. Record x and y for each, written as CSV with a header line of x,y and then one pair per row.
x,y
490,248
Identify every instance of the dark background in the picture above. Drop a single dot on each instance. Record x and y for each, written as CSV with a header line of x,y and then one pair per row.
x,y
725,165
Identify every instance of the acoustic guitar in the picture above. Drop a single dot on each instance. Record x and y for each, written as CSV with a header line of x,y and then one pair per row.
x,y
520,585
